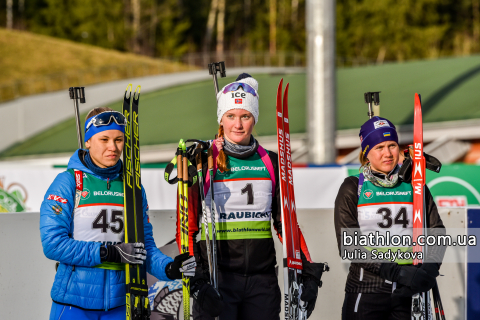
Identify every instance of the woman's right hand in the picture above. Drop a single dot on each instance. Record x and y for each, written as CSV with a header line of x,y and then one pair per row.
x,y
219,143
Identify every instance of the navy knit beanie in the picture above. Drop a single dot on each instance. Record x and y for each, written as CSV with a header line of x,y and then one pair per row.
x,y
375,131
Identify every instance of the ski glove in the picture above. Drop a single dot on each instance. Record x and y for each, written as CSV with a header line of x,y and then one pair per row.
x,y
417,279
208,298
182,263
311,275
132,253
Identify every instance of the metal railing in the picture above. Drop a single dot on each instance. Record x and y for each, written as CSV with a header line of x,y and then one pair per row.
x,y
190,61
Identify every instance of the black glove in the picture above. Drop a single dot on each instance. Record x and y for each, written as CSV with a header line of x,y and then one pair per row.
x,y
208,298
182,263
311,275
132,253
417,279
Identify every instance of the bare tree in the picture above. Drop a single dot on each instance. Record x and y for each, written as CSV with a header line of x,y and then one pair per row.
x,y
136,25
294,14
9,14
476,22
153,27
210,24
273,27
220,28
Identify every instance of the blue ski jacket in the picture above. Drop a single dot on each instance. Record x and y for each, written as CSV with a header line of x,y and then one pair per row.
x,y
77,282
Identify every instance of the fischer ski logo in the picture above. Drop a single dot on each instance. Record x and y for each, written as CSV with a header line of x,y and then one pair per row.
x,y
368,194
86,194
57,198
238,101
380,124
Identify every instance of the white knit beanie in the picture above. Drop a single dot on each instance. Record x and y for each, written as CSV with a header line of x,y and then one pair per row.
x,y
246,101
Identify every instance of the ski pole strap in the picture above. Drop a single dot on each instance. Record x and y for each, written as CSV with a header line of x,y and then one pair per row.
x,y
192,172
263,155
169,169
361,179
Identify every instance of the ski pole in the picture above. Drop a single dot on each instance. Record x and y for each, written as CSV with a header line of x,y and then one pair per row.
x,y
369,98
436,293
204,212
213,217
213,68
77,93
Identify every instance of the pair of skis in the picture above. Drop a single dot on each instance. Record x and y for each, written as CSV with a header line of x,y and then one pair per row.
x,y
421,308
211,245
292,262
138,306
182,174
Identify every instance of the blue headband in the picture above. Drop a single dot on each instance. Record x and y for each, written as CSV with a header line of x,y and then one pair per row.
x,y
375,131
94,130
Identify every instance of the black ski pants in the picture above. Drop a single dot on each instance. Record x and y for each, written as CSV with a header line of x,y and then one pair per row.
x,y
373,306
246,298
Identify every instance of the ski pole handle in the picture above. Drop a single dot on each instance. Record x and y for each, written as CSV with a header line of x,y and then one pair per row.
x,y
213,68
369,98
210,160
77,93
179,167
198,159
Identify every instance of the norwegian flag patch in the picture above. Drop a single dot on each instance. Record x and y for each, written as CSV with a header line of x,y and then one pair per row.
x,y
57,198
238,101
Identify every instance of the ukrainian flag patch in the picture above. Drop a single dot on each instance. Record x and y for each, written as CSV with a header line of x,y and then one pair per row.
x,y
386,134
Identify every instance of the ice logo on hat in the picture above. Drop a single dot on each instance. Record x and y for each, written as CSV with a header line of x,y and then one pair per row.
x,y
381,123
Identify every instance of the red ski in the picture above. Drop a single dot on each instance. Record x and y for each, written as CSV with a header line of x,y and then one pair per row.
x,y
292,263
421,309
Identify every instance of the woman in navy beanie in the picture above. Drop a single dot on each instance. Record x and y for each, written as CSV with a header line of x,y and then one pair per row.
x,y
378,200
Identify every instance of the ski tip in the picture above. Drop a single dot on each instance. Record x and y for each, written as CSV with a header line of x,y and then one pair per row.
x,y
418,99
128,91
280,85
136,94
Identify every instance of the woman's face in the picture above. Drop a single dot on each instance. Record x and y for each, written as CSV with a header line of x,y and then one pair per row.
x,y
384,156
238,126
106,147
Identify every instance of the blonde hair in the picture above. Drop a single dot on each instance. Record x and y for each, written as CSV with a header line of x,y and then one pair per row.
x,y
363,159
96,111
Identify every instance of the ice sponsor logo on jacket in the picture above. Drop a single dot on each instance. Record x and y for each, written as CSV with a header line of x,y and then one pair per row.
x,y
108,193
394,193
245,215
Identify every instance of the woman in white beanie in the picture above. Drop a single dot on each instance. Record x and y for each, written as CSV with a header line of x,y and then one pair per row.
x,y
247,198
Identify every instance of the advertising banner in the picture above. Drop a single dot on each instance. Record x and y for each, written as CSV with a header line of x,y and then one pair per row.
x,y
457,185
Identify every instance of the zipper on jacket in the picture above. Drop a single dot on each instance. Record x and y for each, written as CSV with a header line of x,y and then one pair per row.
x,y
246,256
107,289
108,183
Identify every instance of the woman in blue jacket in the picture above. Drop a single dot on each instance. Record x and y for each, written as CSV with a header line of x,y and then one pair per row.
x,y
81,227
